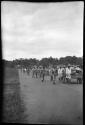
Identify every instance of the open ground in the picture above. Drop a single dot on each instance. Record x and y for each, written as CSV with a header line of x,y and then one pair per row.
x,y
28,100
51,104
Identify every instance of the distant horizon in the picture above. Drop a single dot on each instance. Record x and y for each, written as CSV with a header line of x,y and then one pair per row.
x,y
41,58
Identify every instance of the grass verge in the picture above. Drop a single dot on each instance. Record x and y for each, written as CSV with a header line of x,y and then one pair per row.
x,y
13,107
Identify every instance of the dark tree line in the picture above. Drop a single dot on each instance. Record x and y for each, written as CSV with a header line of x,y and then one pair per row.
x,y
45,61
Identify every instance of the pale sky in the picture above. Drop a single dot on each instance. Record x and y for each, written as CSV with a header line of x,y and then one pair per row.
x,y
37,30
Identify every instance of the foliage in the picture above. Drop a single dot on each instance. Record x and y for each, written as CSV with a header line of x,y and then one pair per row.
x,y
46,61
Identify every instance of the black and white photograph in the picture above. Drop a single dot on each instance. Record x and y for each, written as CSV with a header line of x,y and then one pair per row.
x,y
42,54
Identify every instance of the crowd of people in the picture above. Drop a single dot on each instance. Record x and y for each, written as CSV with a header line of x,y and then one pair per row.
x,y
63,73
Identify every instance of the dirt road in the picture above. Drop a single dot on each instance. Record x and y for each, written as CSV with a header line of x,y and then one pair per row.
x,y
48,103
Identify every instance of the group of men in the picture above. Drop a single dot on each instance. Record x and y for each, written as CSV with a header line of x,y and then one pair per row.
x,y
39,72
62,72
65,73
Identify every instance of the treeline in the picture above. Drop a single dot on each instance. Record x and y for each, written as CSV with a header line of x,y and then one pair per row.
x,y
8,63
73,60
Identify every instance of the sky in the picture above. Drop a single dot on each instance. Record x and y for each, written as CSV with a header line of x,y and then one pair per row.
x,y
38,30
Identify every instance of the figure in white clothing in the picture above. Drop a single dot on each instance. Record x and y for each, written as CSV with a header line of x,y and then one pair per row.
x,y
60,73
68,73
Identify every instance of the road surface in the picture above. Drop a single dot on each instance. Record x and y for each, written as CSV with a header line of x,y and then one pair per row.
x,y
51,104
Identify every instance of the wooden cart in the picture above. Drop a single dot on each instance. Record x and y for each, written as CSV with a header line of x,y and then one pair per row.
x,y
78,75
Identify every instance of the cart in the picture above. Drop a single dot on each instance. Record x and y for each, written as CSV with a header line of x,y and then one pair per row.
x,y
78,76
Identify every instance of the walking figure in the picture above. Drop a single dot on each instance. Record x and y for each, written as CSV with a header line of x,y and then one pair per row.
x,y
43,74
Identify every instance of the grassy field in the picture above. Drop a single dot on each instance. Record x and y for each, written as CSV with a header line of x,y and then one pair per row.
x,y
13,107
10,75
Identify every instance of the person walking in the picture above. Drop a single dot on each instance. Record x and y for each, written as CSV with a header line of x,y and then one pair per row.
x,y
64,74
59,73
51,74
68,74
33,72
54,76
43,74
